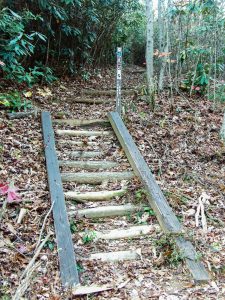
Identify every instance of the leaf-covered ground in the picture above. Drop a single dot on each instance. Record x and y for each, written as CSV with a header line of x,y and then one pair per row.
x,y
183,149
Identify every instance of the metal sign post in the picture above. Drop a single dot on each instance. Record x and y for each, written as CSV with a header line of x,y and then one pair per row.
x,y
118,80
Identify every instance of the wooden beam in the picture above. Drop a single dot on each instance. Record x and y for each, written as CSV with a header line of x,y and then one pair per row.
x,y
88,165
91,100
96,177
105,92
130,232
117,255
80,122
158,202
105,211
94,196
85,154
164,214
67,262
83,132
194,264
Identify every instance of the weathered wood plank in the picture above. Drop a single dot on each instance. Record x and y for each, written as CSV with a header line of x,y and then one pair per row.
x,y
94,196
164,213
117,255
68,132
85,154
20,115
105,211
96,177
80,122
114,234
105,92
68,268
88,165
195,266
166,218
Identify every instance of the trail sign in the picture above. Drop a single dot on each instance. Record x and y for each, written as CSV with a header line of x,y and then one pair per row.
x,y
119,80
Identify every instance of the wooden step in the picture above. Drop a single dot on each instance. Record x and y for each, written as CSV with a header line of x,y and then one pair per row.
x,y
85,154
96,177
78,143
91,100
94,196
68,132
93,92
117,255
105,211
88,165
132,232
82,122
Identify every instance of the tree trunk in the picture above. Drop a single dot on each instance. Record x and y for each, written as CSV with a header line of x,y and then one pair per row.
x,y
222,130
149,51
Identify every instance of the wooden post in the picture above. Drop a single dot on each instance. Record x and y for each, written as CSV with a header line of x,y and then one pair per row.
x,y
118,80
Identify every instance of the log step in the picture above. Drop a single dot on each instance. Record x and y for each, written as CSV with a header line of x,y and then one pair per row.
x,y
93,92
132,232
78,143
117,255
85,154
78,122
92,101
94,196
83,132
97,177
105,211
88,165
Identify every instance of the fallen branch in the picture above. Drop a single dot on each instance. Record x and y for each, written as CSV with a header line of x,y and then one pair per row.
x,y
25,283
32,261
43,225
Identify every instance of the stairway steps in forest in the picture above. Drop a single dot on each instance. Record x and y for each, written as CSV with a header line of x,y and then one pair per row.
x,y
67,132
127,233
105,211
116,256
94,196
96,177
118,193
88,165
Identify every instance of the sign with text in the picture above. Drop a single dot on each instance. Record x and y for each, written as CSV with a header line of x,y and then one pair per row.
x,y
118,79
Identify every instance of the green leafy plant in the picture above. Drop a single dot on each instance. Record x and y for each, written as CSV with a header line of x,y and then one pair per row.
x,y
166,245
198,80
73,227
50,245
89,236
14,101
140,195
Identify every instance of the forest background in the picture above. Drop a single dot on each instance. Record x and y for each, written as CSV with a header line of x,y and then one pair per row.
x,y
42,40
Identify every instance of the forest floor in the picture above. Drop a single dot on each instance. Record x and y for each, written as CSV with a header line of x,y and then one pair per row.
x,y
186,156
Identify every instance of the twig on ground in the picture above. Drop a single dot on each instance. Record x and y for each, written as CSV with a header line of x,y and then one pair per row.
x,y
29,266
25,283
43,225
3,209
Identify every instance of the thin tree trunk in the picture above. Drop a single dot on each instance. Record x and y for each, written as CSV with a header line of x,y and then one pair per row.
x,y
149,50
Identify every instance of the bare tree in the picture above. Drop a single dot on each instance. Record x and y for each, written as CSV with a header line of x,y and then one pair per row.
x,y
149,50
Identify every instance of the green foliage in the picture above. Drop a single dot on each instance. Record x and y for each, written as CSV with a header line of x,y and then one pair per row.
x,y
50,245
198,79
89,236
17,45
167,247
69,34
219,94
14,101
73,227
140,195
